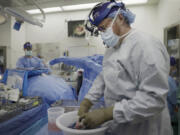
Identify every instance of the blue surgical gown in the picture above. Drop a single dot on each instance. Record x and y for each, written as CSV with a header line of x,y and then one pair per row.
x,y
30,63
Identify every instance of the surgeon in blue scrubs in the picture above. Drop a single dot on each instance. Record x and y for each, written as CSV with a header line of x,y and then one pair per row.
x,y
28,61
172,94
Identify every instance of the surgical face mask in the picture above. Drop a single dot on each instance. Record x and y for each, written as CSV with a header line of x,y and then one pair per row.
x,y
28,53
173,73
109,38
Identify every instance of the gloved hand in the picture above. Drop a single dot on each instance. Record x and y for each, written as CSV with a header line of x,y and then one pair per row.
x,y
84,107
97,117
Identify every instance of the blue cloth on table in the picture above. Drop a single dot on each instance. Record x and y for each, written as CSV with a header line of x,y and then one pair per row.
x,y
23,121
19,78
32,130
51,88
91,65
35,83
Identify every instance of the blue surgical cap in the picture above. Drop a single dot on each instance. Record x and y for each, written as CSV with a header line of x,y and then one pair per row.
x,y
128,15
102,10
172,61
27,45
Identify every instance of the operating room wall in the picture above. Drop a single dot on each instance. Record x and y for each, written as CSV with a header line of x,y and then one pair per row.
x,y
55,31
18,38
146,19
168,13
13,40
5,35
154,18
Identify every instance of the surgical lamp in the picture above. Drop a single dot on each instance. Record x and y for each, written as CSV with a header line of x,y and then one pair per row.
x,y
22,16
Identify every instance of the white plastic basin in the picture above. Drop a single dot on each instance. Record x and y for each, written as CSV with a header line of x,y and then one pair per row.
x,y
67,119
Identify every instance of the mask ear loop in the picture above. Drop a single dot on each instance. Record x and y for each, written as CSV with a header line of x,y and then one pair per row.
x,y
115,17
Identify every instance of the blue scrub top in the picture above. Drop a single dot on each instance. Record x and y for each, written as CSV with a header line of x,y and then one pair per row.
x,y
171,98
30,63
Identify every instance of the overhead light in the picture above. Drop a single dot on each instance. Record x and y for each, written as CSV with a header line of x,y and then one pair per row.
x,y
21,16
134,2
46,10
81,6
52,9
91,5
33,11
78,7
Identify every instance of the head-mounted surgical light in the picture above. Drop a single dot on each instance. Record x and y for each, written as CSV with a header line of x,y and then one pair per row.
x,y
99,13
